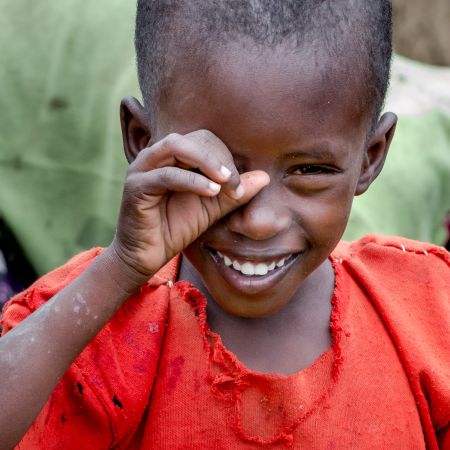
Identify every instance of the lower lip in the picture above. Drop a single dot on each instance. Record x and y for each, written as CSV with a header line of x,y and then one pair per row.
x,y
255,284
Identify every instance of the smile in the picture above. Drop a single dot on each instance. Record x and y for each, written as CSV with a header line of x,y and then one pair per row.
x,y
249,268
253,274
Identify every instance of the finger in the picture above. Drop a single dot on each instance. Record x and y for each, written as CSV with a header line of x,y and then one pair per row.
x,y
162,180
176,150
210,142
222,204
198,150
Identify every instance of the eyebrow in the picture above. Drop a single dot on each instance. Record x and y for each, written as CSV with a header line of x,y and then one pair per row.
x,y
318,154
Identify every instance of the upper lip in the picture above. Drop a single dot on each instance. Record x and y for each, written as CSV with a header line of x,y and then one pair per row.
x,y
258,255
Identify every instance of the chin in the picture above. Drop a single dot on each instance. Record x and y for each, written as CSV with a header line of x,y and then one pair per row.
x,y
250,309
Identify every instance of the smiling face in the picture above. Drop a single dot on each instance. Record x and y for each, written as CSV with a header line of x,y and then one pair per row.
x,y
276,112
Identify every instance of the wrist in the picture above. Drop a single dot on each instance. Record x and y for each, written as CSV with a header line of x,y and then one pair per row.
x,y
127,279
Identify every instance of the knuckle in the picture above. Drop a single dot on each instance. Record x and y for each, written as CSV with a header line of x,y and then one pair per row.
x,y
207,137
134,166
131,185
170,141
205,134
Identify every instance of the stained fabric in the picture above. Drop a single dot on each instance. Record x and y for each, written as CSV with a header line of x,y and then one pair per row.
x,y
156,376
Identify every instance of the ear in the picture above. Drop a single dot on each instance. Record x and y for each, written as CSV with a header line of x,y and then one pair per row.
x,y
376,152
135,128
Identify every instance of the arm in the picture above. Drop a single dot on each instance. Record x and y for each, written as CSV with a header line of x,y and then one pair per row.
x,y
36,353
154,225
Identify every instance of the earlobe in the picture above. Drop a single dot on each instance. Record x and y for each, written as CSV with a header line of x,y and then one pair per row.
x,y
376,152
135,128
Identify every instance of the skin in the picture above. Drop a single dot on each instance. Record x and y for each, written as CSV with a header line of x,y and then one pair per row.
x,y
238,126
315,151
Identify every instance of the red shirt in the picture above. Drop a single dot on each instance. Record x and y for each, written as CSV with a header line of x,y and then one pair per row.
x,y
156,377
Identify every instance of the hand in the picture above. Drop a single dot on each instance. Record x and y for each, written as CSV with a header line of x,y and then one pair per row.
x,y
174,191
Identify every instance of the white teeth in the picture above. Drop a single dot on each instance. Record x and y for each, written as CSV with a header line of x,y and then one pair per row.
x,y
236,265
280,263
261,269
247,268
251,269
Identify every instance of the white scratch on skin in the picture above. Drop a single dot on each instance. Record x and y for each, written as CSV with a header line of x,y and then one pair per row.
x,y
80,299
8,359
403,248
79,302
425,253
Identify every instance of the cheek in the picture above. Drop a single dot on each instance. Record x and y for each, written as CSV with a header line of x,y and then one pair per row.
x,y
193,252
324,216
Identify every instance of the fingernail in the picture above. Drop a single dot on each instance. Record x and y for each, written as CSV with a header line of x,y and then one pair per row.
x,y
239,192
225,172
214,187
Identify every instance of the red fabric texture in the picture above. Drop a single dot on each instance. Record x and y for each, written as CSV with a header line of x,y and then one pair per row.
x,y
156,377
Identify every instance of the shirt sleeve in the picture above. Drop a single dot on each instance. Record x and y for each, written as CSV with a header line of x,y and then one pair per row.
x,y
101,399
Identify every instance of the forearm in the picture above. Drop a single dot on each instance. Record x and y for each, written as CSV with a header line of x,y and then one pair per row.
x,y
36,353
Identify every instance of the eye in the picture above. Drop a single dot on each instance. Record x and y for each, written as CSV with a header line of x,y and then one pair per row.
x,y
312,169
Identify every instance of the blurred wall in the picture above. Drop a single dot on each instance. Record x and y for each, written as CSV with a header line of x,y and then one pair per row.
x,y
422,30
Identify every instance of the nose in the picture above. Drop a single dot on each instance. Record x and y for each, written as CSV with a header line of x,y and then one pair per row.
x,y
262,218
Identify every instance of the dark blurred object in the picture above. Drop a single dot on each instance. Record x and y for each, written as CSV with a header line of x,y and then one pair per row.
x,y
16,272
6,290
422,30
447,225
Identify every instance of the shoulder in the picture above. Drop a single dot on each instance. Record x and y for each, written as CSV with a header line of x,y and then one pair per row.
x,y
384,244
408,284
380,254
399,273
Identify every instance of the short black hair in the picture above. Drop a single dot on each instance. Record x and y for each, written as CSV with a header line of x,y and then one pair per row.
x,y
190,27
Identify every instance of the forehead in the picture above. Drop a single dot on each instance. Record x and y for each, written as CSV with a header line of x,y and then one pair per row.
x,y
240,90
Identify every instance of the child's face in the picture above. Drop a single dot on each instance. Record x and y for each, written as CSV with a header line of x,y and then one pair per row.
x,y
278,113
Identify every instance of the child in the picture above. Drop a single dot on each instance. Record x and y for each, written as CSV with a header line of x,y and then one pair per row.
x,y
261,123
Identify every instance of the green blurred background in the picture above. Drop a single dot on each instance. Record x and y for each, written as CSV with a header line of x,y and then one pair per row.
x,y
66,64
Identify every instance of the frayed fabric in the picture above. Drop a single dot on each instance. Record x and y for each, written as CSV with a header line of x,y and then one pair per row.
x,y
229,378
156,376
